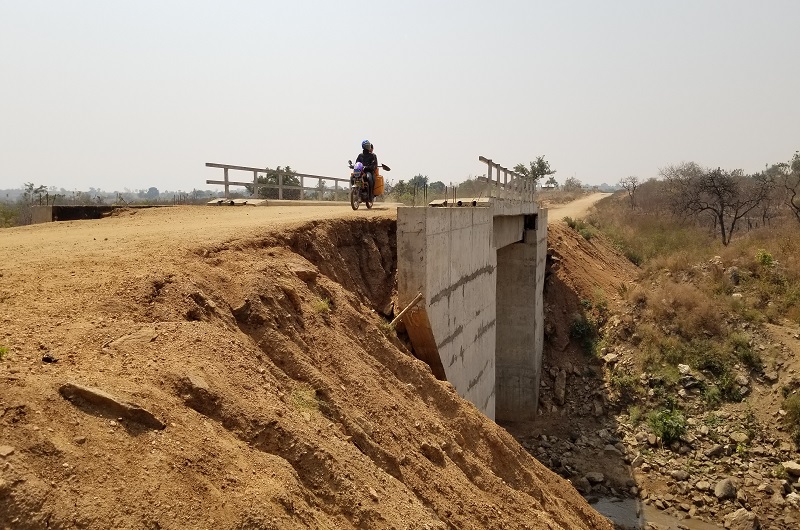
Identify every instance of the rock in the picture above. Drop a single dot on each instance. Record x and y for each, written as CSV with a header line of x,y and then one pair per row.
x,y
715,451
742,519
582,485
307,273
433,453
611,358
79,440
679,475
373,494
740,437
792,467
703,485
638,461
793,499
684,369
6,450
610,450
594,477
652,439
137,339
94,399
742,380
561,387
725,489
196,393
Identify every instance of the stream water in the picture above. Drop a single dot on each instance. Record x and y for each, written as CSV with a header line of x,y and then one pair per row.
x,y
632,514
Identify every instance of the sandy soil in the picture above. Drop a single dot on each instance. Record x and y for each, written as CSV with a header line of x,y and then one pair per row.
x,y
255,337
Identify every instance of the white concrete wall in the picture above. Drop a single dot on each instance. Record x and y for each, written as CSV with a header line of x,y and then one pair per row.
x,y
458,284
450,255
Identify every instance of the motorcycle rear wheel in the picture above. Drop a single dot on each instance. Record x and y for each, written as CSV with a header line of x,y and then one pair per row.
x,y
355,200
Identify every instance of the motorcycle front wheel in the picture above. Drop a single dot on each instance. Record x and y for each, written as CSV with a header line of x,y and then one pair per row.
x,y
354,198
369,202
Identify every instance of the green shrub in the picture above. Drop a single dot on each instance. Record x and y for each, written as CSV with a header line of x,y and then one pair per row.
x,y
711,395
635,414
584,330
669,424
3,352
792,418
764,258
626,384
323,305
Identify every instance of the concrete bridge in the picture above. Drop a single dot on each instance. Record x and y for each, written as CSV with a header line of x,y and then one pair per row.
x,y
479,265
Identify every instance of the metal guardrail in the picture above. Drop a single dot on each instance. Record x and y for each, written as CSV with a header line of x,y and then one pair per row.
x,y
514,186
280,186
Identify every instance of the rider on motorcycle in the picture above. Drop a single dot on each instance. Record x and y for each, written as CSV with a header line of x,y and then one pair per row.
x,y
370,161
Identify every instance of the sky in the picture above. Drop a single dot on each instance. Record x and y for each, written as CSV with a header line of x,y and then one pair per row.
x,y
127,95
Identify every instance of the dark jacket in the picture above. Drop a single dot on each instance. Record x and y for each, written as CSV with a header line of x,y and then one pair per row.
x,y
370,161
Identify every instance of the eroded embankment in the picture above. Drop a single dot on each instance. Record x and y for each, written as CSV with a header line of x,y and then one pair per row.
x,y
285,404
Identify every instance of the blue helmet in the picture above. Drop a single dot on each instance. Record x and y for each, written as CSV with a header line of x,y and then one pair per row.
x,y
366,145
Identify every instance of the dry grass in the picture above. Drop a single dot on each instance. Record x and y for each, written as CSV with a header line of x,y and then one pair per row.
x,y
694,293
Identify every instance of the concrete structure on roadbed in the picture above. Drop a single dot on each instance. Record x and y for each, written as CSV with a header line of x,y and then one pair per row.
x,y
480,326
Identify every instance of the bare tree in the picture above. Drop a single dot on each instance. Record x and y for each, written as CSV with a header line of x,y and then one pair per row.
x,y
791,181
630,184
726,196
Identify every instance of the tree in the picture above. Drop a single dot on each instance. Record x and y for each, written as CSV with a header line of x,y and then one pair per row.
x,y
273,177
630,184
725,196
572,184
536,170
418,181
551,182
437,187
152,193
791,183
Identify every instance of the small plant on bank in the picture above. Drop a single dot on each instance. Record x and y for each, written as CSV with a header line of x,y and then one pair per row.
x,y
669,423
626,385
3,352
792,418
322,306
387,328
304,398
765,259
635,414
584,330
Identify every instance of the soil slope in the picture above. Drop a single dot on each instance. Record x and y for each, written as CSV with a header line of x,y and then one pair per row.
x,y
254,337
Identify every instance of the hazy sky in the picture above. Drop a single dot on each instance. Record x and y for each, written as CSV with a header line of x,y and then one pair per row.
x,y
113,95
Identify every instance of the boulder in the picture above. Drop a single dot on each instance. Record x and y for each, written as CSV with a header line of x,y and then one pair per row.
x,y
792,468
99,401
594,477
725,489
742,519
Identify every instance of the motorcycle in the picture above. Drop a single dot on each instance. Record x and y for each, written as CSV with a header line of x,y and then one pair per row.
x,y
359,185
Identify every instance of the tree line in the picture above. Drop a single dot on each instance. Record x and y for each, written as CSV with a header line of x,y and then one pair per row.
x,y
725,200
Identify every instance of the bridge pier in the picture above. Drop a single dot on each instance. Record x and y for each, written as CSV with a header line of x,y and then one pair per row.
x,y
480,325
520,326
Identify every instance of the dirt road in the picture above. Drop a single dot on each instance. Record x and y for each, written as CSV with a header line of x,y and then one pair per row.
x,y
575,209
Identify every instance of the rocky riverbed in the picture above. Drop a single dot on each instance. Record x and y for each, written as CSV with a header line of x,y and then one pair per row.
x,y
734,465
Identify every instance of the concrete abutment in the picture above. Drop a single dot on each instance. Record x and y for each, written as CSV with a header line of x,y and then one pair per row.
x,y
480,325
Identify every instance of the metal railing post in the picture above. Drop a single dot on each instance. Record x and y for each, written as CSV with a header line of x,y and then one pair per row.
x,y
255,184
226,182
280,186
